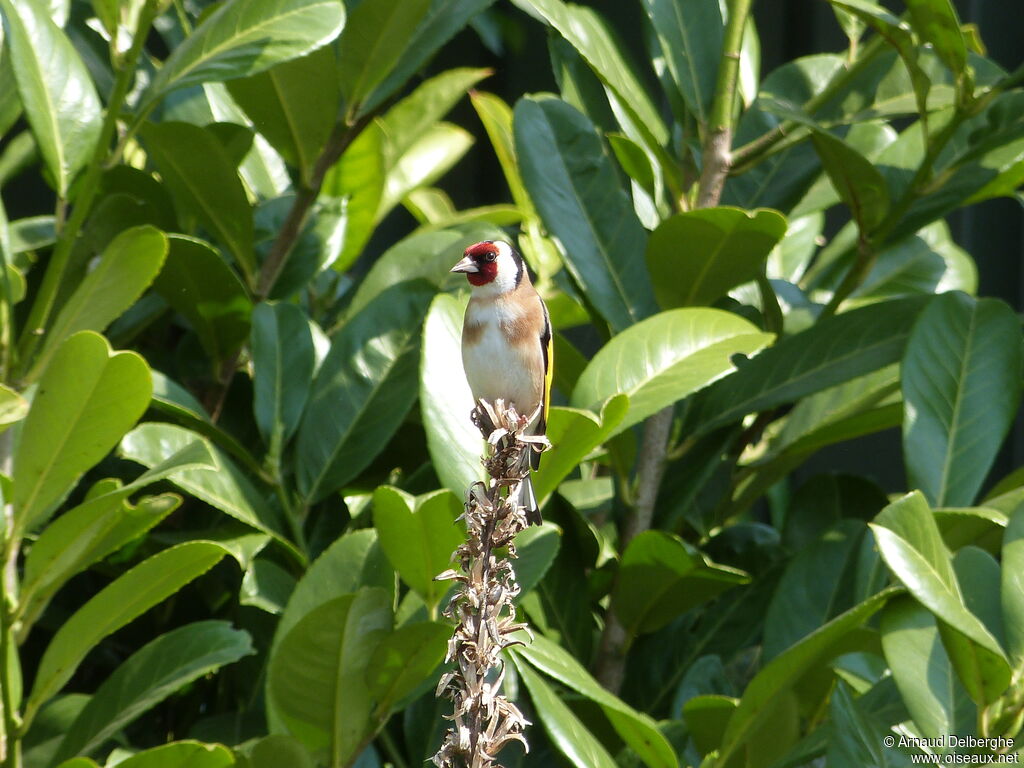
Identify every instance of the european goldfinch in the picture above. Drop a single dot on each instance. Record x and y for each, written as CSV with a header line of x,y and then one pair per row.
x,y
506,341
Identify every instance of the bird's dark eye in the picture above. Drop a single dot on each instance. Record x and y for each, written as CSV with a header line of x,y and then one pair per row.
x,y
490,256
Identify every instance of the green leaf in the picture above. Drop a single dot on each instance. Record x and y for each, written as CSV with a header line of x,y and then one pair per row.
x,y
354,560
223,487
637,729
815,587
536,548
961,388
125,269
496,117
860,185
428,158
782,672
13,407
404,660
1012,589
937,23
266,586
936,700
419,537
978,575
149,676
375,36
590,36
86,399
57,93
127,597
454,444
857,736
707,717
661,577
182,754
198,283
570,736
574,434
245,37
317,675
283,361
666,358
204,181
443,20
411,117
912,547
832,351
695,257
362,390
576,191
294,105
690,35
279,749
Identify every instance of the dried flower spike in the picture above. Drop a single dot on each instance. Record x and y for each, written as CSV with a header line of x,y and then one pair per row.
x,y
484,721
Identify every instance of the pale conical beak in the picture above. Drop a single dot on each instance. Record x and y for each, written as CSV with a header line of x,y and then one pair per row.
x,y
466,265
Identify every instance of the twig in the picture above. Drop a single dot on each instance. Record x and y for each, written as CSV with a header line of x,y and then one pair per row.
x,y
485,721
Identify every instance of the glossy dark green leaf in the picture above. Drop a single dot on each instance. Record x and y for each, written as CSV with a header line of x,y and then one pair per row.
x,y
454,444
279,749
690,35
125,269
575,189
354,560
590,35
198,283
419,537
661,577
536,549
225,487
912,547
375,35
834,350
283,359
1012,589
706,719
182,754
317,674
782,672
245,37
823,501
937,23
574,434
266,586
961,388
121,601
913,650
405,659
362,390
57,93
665,358
857,736
442,21
294,105
572,738
149,676
637,729
695,257
978,575
814,588
87,398
858,182
196,168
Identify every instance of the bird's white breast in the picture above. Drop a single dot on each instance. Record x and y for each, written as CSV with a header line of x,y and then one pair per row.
x,y
494,367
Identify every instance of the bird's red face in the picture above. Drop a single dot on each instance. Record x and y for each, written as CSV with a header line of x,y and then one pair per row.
x,y
480,263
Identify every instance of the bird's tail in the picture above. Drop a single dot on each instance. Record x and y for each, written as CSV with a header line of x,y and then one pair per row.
x,y
527,499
